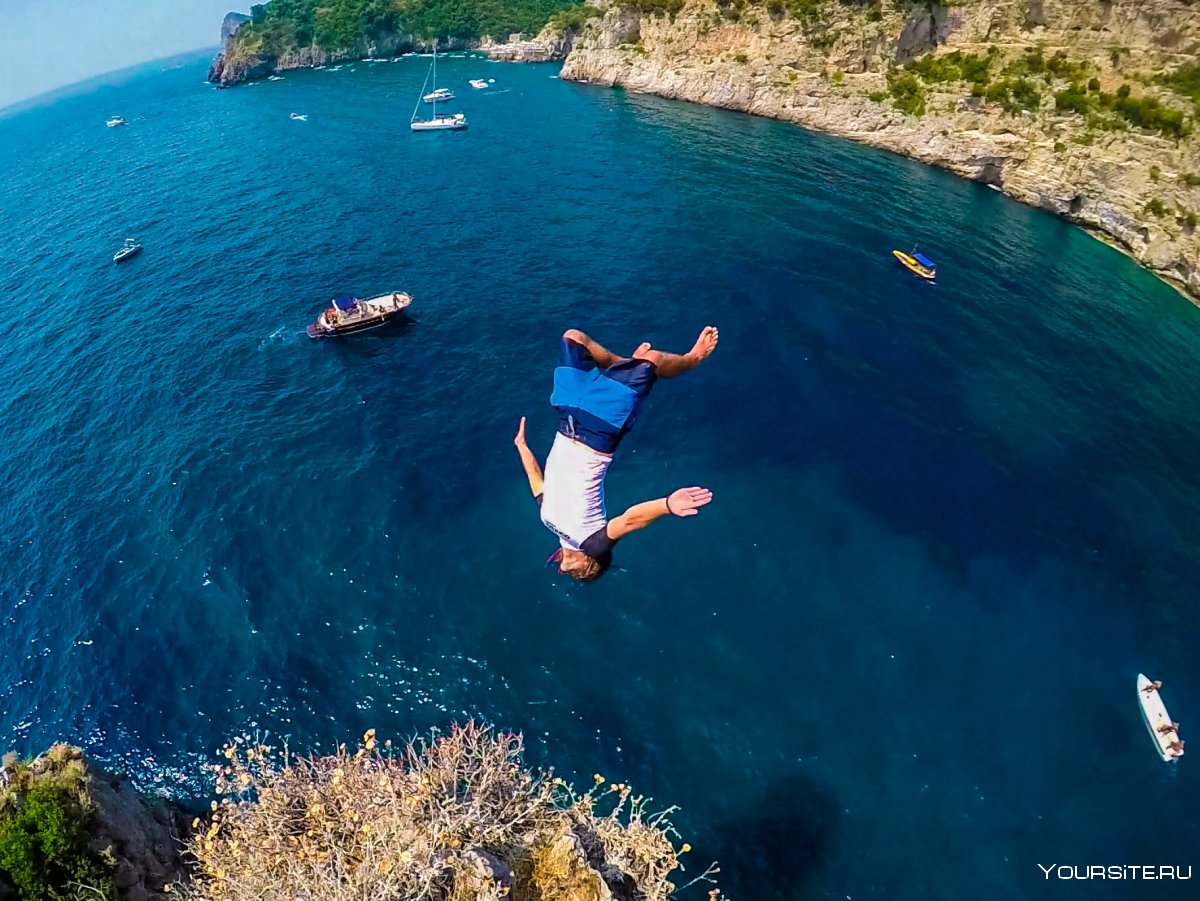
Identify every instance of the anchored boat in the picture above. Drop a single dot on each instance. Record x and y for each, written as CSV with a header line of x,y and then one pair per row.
x,y
435,122
115,121
349,314
1154,714
917,263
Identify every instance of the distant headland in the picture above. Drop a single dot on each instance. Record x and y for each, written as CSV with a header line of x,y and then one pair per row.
x,y
293,34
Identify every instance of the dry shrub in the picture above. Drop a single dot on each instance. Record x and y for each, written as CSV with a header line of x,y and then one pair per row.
x,y
383,822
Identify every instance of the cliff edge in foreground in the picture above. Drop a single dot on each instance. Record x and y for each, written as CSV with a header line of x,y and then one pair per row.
x,y
456,816
1085,109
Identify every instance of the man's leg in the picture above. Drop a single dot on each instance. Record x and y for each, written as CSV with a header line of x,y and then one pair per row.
x,y
669,365
602,356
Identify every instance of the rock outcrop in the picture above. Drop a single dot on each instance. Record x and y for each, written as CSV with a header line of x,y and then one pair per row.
x,y
239,62
552,43
836,72
140,838
229,27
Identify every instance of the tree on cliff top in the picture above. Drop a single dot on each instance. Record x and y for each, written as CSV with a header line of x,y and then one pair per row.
x,y
448,818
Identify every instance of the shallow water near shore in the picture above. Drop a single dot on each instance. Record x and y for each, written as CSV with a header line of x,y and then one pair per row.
x,y
895,658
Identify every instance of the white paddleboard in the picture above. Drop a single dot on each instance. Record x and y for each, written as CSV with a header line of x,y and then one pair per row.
x,y
1154,714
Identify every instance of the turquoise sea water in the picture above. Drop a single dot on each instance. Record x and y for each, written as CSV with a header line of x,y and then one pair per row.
x,y
895,658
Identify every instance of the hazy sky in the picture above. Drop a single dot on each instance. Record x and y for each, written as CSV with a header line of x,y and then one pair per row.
x,y
45,44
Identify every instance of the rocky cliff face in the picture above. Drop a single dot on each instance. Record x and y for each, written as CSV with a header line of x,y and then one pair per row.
x,y
551,43
837,71
232,22
238,62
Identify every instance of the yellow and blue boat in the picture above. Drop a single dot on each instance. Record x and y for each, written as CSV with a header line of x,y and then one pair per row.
x,y
917,263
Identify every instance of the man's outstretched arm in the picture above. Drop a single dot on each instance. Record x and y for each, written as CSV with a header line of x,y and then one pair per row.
x,y
681,502
533,471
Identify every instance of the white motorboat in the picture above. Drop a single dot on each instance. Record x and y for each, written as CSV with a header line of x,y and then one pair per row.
x,y
452,122
478,84
1162,729
115,121
299,117
130,248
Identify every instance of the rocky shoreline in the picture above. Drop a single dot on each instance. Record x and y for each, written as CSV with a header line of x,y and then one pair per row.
x,y
1108,182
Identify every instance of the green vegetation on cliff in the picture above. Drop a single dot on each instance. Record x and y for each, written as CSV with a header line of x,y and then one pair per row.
x,y
332,25
45,825
1185,81
1114,112
1017,89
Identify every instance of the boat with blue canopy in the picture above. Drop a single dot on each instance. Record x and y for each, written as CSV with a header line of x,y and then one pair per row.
x,y
917,263
350,314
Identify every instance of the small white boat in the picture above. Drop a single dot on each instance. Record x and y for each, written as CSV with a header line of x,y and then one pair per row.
x,y
130,248
115,121
1162,729
438,96
299,117
478,84
274,78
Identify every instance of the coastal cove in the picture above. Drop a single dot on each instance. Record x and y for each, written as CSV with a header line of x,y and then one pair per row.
x,y
895,658
1089,112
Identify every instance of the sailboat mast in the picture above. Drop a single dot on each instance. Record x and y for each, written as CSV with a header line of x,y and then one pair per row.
x,y
435,86
420,96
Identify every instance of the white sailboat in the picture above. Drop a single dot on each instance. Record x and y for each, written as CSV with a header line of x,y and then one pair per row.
x,y
435,122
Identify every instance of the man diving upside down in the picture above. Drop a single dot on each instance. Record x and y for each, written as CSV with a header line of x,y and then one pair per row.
x,y
597,395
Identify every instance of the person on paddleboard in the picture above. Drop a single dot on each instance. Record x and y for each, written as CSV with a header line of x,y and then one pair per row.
x,y
597,395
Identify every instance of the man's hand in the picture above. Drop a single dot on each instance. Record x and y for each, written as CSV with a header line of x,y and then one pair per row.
x,y
688,501
519,440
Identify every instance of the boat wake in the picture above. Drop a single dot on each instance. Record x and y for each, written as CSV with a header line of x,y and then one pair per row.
x,y
280,336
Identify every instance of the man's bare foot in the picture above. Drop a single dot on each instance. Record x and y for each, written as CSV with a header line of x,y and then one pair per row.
x,y
705,344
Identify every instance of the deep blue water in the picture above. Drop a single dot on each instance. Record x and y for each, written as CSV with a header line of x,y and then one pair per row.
x,y
895,658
